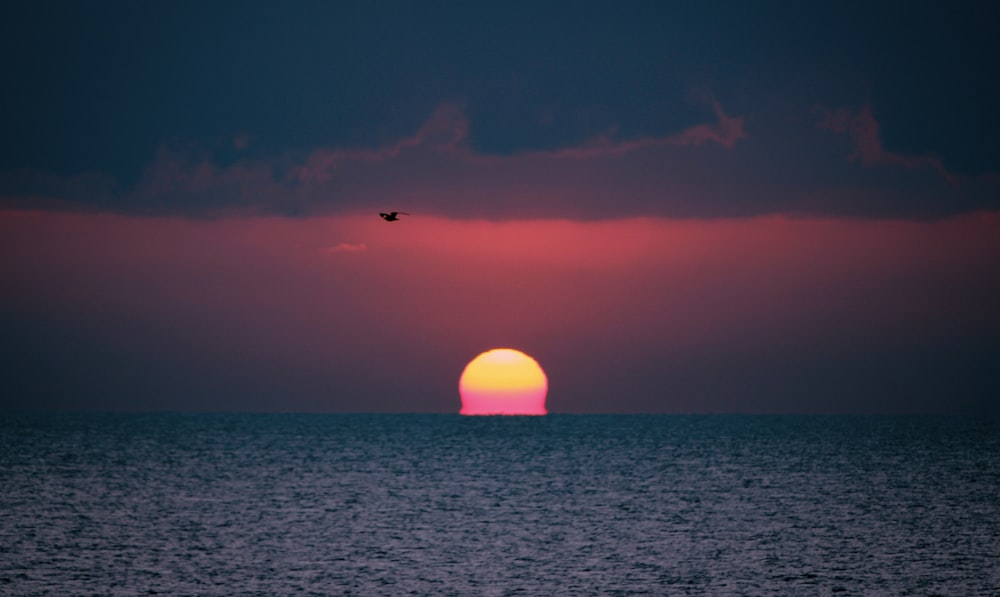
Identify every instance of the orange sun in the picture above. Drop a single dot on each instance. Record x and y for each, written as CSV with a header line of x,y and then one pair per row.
x,y
503,381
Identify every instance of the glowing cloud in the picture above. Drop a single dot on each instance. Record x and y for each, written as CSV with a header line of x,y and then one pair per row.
x,y
346,248
864,132
503,381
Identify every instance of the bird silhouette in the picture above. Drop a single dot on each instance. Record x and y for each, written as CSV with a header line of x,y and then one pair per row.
x,y
392,216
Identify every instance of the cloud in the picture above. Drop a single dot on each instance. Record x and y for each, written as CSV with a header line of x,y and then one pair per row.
x,y
726,132
241,141
445,130
189,181
709,169
33,189
863,130
345,248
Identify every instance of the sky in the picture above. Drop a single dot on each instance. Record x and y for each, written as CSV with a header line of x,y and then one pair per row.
x,y
690,207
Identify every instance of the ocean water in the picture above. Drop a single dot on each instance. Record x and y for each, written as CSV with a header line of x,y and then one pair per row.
x,y
448,505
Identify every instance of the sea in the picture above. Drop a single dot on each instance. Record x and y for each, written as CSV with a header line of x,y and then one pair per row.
x,y
336,504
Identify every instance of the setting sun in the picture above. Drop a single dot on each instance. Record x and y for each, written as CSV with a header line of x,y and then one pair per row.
x,y
503,381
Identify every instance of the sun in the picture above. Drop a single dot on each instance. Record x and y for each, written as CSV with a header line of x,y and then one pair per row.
x,y
503,381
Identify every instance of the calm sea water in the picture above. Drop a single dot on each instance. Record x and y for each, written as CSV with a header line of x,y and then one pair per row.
x,y
449,505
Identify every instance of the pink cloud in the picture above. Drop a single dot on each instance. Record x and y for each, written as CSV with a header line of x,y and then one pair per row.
x,y
346,248
726,132
863,130
447,130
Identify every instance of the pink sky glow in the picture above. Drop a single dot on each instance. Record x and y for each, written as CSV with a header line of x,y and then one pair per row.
x,y
300,306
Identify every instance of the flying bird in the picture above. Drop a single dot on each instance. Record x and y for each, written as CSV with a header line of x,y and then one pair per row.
x,y
392,216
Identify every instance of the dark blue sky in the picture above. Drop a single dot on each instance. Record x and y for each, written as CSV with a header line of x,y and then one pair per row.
x,y
100,87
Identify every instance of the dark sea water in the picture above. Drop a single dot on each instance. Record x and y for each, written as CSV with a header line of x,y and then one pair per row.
x,y
449,505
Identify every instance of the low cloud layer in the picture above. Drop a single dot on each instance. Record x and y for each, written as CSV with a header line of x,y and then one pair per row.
x,y
731,166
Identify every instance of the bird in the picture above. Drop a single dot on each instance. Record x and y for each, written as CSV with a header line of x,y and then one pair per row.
x,y
392,216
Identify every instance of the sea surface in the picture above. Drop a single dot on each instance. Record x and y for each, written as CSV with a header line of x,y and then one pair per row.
x,y
116,504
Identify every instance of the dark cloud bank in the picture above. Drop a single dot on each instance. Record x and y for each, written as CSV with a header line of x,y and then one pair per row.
x,y
834,164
